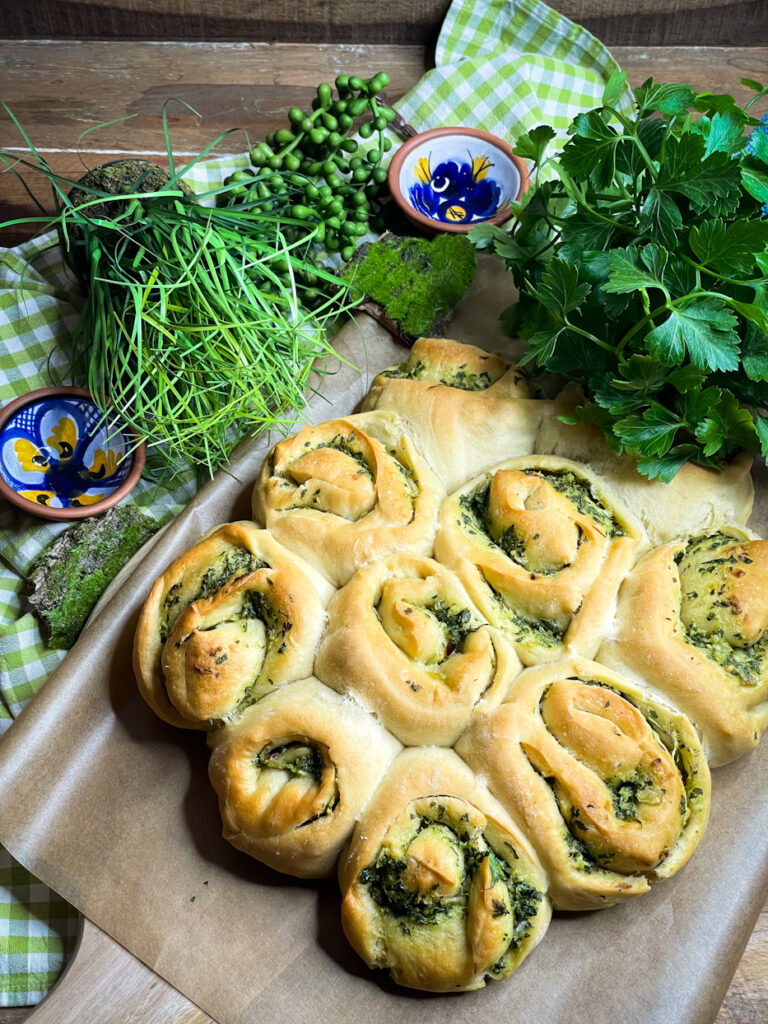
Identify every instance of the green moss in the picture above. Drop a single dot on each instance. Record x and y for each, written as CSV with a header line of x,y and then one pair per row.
x,y
121,177
71,575
418,281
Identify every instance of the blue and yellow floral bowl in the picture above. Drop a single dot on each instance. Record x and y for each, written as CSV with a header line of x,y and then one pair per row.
x,y
449,179
60,458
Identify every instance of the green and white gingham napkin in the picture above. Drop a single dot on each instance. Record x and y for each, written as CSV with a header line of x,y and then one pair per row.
x,y
502,65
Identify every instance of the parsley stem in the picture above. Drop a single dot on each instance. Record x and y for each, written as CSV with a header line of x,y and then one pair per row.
x,y
754,99
756,281
640,324
592,337
630,127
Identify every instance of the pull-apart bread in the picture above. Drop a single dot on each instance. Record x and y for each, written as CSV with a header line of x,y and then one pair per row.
x,y
416,557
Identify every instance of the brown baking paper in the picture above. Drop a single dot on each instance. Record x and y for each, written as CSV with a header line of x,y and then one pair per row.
x,y
113,809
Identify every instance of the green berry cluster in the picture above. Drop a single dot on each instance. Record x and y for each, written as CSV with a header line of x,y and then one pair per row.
x,y
328,180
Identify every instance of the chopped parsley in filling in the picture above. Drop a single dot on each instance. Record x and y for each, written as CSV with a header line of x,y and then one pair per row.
x,y
461,377
629,790
301,759
709,612
227,566
457,623
415,899
298,759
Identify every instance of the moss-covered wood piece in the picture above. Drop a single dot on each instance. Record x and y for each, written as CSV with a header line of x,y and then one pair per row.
x,y
416,282
72,574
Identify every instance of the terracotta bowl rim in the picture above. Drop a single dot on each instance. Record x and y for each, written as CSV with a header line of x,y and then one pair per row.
x,y
397,161
139,456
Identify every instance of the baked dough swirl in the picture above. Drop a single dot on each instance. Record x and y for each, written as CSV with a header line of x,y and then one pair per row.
x,y
294,773
611,786
404,636
541,546
692,622
234,617
465,408
438,885
347,491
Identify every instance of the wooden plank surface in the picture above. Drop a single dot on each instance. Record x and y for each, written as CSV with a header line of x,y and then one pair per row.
x,y
627,22
59,89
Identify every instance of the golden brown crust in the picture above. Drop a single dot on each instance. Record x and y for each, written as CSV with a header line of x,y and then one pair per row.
x,y
404,636
713,590
235,615
465,408
541,545
611,786
294,773
696,500
347,491
438,884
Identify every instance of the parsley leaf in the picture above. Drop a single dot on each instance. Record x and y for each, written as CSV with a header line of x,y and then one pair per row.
x,y
728,426
665,98
660,216
641,265
626,274
591,152
729,249
666,466
711,184
705,329
534,143
559,290
652,433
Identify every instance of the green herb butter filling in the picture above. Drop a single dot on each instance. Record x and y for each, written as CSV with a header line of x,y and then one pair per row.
x,y
461,377
321,493
440,872
228,565
630,789
299,773
711,609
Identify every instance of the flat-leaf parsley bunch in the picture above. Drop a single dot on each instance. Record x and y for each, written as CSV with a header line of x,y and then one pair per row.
x,y
642,268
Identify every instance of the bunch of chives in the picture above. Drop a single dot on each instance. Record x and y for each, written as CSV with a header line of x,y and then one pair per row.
x,y
193,330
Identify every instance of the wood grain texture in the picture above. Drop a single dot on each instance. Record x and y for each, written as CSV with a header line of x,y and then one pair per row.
x,y
617,22
60,89
139,996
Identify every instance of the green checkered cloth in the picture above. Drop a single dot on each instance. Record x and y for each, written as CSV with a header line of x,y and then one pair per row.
x,y
503,66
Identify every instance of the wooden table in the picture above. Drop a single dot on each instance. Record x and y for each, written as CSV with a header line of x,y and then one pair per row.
x,y
58,89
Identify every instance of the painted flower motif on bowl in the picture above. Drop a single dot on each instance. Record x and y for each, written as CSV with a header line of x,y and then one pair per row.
x,y
60,452
456,192
448,179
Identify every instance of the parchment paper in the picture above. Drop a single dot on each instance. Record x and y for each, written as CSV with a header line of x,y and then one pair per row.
x,y
113,809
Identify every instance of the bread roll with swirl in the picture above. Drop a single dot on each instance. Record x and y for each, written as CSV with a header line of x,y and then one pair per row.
x,y
541,545
404,636
294,773
692,623
438,885
233,617
611,786
465,408
347,491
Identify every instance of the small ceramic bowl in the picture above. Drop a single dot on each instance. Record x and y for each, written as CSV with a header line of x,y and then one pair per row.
x,y
449,179
59,459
